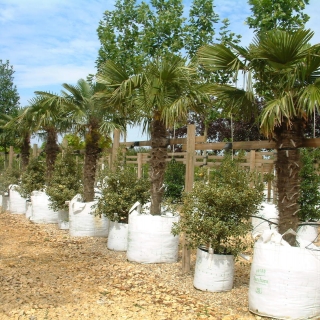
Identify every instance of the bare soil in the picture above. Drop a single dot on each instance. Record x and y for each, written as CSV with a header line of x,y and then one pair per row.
x,y
46,274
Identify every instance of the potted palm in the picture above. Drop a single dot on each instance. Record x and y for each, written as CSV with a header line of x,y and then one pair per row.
x,y
120,189
216,217
64,184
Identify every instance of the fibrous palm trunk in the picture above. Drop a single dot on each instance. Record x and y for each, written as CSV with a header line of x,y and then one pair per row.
x,y
159,143
25,151
288,181
52,149
90,161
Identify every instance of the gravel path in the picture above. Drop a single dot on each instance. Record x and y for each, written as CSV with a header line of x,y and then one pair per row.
x,y
46,274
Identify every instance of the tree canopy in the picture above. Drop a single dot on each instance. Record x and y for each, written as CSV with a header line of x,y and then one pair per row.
x,y
277,14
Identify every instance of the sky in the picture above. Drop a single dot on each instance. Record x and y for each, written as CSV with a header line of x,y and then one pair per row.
x,y
50,42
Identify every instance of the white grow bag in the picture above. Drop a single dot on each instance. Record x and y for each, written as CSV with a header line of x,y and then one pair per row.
x,y
17,204
118,236
84,224
63,219
284,280
150,239
213,272
268,212
308,231
28,209
41,213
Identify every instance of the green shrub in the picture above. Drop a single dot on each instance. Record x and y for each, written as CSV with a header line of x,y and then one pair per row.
x,y
33,178
174,180
216,213
120,189
309,199
8,177
65,182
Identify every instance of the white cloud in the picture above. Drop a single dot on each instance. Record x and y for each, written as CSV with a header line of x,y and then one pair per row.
x,y
51,75
49,42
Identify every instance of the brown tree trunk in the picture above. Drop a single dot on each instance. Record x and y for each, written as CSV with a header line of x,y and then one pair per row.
x,y
288,181
159,143
90,161
52,149
25,151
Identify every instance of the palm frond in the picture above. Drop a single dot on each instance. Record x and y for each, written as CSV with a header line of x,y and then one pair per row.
x,y
219,57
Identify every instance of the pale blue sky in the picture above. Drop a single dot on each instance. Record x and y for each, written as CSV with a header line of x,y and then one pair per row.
x,y
50,42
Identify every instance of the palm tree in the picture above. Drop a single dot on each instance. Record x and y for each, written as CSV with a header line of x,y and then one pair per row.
x,y
280,69
89,118
163,94
48,120
22,132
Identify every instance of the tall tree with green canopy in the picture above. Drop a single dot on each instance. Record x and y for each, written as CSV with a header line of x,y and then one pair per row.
x,y
89,118
133,33
165,92
9,97
119,34
21,132
277,14
286,69
9,100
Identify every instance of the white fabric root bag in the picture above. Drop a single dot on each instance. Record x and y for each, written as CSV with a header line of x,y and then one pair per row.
x,y
267,212
17,204
213,272
284,280
5,202
150,239
308,231
28,209
83,223
41,213
118,236
63,219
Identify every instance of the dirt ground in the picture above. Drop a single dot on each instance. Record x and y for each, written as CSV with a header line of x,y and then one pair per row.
x,y
46,274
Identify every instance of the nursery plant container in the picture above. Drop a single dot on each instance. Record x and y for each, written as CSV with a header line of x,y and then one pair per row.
x,y
28,209
118,236
150,239
63,219
17,204
213,272
41,212
308,231
82,221
284,281
5,202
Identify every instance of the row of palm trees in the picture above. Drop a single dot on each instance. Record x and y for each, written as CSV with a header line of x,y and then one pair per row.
x,y
279,69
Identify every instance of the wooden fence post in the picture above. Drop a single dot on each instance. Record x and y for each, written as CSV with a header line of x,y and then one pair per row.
x,y
115,146
35,151
10,157
190,160
139,160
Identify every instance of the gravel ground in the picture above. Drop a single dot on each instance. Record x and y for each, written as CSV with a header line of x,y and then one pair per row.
x,y
46,274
